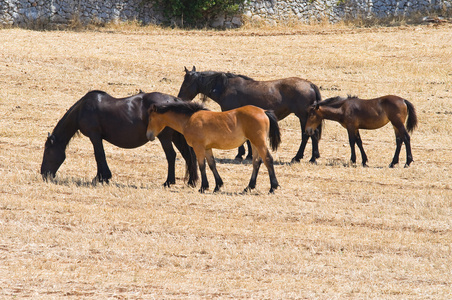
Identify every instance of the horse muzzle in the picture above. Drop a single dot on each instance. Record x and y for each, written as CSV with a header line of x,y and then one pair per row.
x,y
150,135
310,131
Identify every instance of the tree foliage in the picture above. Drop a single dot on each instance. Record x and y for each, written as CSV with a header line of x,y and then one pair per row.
x,y
195,12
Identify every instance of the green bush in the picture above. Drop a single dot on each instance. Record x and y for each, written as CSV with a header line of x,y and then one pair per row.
x,y
197,12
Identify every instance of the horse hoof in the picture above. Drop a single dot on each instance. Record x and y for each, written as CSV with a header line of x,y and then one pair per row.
x,y
217,189
168,183
48,177
97,180
246,190
407,164
191,183
295,160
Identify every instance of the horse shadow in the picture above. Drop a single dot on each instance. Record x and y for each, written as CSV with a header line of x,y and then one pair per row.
x,y
244,162
81,182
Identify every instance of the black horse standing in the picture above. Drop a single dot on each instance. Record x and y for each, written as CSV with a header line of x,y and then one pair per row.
x,y
283,96
123,123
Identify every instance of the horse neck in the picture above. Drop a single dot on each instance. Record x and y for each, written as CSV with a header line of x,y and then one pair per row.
x,y
176,121
206,87
331,113
67,127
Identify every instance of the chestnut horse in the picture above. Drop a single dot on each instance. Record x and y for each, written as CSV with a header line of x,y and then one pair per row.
x,y
123,123
283,96
354,114
204,130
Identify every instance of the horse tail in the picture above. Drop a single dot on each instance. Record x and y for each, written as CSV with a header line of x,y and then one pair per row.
x,y
318,98
411,122
274,134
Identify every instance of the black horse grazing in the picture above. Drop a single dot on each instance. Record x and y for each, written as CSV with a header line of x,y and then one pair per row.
x,y
123,123
283,96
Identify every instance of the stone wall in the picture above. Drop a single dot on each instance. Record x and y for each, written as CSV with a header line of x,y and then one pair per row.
x,y
23,12
27,12
335,10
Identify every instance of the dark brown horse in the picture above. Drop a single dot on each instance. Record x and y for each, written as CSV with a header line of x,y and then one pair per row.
x,y
123,123
354,114
205,130
283,96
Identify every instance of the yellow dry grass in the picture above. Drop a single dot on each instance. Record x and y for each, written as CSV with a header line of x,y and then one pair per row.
x,y
332,231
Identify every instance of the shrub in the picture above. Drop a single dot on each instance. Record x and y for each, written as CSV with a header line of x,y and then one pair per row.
x,y
197,12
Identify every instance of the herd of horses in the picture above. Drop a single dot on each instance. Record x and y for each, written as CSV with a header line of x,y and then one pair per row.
x,y
250,111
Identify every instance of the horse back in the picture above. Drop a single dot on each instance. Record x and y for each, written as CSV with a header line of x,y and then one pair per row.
x,y
120,121
284,96
252,119
375,113
210,129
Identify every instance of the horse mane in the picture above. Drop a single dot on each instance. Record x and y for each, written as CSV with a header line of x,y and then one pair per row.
x,y
207,74
67,126
186,108
210,80
335,101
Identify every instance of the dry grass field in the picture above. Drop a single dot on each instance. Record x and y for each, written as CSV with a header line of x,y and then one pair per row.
x,y
332,231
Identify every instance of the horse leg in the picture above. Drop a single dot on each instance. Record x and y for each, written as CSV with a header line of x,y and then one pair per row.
x,y
399,141
359,142
268,162
352,141
409,155
103,172
405,138
256,165
250,151
189,155
304,141
165,140
402,136
315,147
213,167
201,157
241,152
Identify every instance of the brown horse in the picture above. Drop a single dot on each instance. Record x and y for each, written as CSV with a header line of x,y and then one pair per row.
x,y
205,130
354,114
283,96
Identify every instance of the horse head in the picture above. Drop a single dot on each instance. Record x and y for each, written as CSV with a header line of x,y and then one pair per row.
x,y
54,156
154,127
314,119
209,83
190,86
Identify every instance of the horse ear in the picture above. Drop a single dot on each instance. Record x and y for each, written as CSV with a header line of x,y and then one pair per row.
x,y
194,69
152,109
186,70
